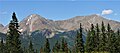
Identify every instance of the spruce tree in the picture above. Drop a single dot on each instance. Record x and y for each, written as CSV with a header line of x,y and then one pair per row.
x,y
97,38
13,42
41,50
64,46
103,38
93,41
118,41
25,50
113,46
90,42
30,49
56,48
47,46
2,46
79,43
109,34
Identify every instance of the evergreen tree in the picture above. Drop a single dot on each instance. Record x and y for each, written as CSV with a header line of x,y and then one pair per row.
x,y
25,50
41,50
93,41
118,41
13,42
79,41
56,48
47,46
109,34
30,49
2,46
112,47
103,38
111,40
90,43
97,38
64,46
36,51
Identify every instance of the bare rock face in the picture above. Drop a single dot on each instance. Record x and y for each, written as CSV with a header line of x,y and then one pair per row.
x,y
35,22
1,27
73,23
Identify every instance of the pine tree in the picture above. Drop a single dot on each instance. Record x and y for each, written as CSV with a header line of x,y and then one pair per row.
x,y
36,51
79,41
97,38
64,46
13,42
56,48
103,38
118,41
25,50
93,41
47,46
41,50
109,34
30,49
90,43
2,46
113,46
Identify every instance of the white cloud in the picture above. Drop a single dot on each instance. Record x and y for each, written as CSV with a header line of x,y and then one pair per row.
x,y
107,11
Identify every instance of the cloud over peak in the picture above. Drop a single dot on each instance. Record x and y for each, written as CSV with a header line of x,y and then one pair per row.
x,y
107,11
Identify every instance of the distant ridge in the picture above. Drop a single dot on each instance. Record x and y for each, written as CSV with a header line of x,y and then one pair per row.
x,y
36,22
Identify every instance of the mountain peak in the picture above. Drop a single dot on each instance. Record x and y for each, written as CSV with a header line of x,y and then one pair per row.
x,y
1,25
36,22
95,15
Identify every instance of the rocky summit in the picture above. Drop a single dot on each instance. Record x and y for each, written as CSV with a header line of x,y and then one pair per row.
x,y
35,22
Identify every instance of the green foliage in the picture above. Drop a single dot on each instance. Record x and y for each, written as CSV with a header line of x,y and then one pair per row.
x,y
118,41
103,40
13,43
79,44
2,46
30,49
64,46
56,48
47,46
90,40
97,38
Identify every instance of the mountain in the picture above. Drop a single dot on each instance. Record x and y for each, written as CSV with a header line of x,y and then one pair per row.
x,y
36,28
41,28
35,22
73,23
1,27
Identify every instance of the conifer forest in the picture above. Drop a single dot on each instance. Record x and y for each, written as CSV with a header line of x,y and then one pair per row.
x,y
99,39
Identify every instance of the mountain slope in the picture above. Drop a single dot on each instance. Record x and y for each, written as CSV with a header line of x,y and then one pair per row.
x,y
36,22
36,28
73,23
1,27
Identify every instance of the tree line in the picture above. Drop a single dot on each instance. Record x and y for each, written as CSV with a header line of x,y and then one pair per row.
x,y
100,39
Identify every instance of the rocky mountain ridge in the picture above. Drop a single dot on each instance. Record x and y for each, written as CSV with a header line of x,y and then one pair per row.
x,y
35,22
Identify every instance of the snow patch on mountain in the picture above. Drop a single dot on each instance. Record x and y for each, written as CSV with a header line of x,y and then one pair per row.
x,y
21,30
51,35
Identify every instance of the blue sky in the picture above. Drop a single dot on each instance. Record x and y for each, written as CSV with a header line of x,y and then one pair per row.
x,y
59,9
